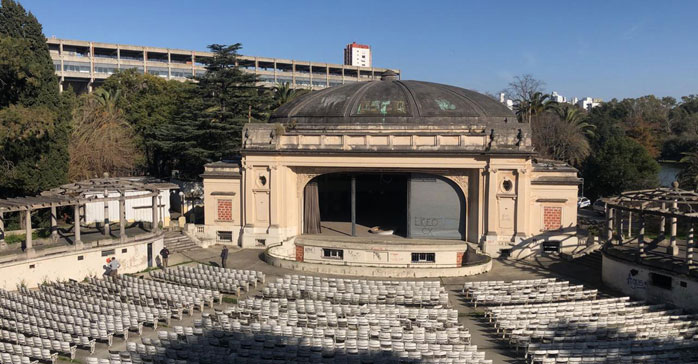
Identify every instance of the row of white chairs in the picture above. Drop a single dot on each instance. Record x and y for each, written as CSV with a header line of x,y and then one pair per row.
x,y
28,351
7,358
63,347
48,333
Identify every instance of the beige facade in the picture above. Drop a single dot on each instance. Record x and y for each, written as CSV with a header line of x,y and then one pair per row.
x,y
88,63
511,202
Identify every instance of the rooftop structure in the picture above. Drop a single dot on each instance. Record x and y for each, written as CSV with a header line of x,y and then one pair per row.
x,y
85,64
357,55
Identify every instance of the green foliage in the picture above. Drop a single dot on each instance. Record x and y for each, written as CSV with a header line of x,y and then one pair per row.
x,y
34,118
208,123
618,163
148,103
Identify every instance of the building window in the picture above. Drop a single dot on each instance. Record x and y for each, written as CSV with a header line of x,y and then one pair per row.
x,y
333,254
225,236
552,218
660,280
423,257
225,210
107,253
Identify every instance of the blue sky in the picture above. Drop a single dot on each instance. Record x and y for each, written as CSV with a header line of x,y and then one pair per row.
x,y
595,48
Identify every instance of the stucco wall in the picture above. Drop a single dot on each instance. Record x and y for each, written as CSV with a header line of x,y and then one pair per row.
x,y
68,266
634,280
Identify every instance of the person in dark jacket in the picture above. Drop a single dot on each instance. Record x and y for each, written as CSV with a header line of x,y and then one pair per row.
x,y
164,253
224,256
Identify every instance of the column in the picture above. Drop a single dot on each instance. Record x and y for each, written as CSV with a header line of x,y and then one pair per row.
x,y
54,224
673,248
106,214
161,211
619,225
521,203
690,244
353,205
609,225
156,219
641,237
28,248
630,224
76,216
122,219
491,203
662,225
3,245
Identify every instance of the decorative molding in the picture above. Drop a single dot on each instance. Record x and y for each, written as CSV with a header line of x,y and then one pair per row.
x,y
461,179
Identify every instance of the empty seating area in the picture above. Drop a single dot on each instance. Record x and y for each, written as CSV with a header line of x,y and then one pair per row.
x,y
304,319
524,292
358,291
58,318
608,330
225,280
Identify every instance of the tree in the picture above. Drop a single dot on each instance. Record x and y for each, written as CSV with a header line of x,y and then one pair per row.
x,y
535,104
562,133
148,103
688,177
209,121
102,140
283,93
29,101
522,87
617,163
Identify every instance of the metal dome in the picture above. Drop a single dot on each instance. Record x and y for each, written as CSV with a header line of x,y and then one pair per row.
x,y
392,101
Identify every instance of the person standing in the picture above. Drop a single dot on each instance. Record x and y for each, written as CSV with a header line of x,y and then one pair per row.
x,y
164,253
113,266
224,256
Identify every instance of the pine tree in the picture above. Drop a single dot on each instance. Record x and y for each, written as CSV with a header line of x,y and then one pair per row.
x,y
208,125
29,161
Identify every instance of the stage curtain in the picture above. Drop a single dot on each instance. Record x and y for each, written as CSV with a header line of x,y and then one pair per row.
x,y
311,209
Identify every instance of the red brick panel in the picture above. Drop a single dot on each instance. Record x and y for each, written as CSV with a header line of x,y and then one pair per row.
x,y
552,218
459,259
299,253
225,210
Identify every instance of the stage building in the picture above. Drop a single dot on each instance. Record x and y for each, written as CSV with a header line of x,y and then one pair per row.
x,y
386,175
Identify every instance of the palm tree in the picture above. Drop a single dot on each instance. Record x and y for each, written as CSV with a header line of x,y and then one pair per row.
x,y
535,104
283,93
107,99
576,117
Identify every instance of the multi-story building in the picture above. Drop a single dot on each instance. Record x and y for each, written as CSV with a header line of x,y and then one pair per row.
x,y
85,64
589,103
357,55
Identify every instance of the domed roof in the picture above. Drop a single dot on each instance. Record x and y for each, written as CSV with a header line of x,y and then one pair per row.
x,y
392,101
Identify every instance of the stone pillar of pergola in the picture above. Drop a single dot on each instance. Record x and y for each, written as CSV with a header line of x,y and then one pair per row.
x,y
673,249
106,214
156,219
609,224
641,237
690,244
662,224
122,218
3,244
76,216
630,223
28,246
619,225
54,224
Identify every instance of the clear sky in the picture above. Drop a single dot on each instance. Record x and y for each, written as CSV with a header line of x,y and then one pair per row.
x,y
601,49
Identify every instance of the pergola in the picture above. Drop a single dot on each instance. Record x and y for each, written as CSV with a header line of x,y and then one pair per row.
x,y
665,203
78,194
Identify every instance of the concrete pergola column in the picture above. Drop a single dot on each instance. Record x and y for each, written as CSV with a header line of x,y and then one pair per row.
x,y
690,244
641,237
619,225
673,248
609,225
122,219
106,214
662,224
156,220
29,249
3,244
630,224
76,217
54,224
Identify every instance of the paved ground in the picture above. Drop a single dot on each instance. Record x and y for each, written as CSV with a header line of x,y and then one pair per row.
x,y
482,335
